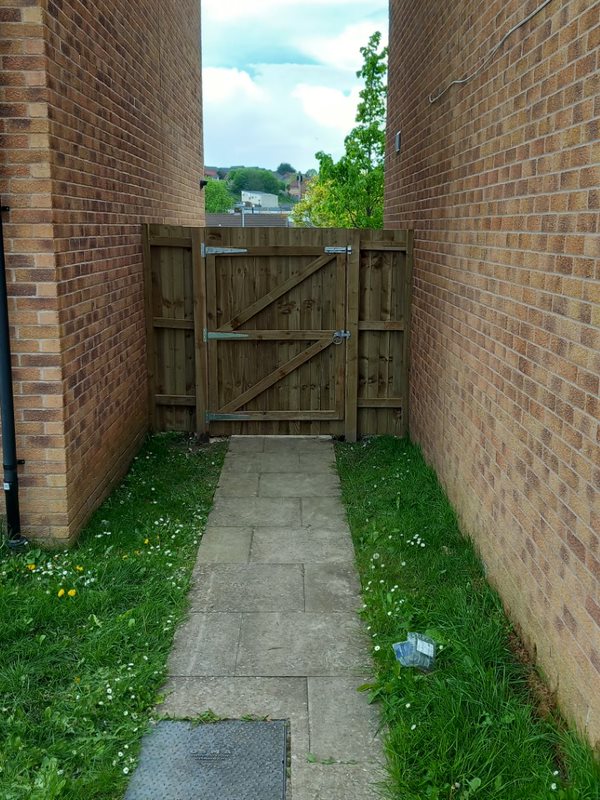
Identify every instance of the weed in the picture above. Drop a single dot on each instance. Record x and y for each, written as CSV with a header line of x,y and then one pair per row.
x,y
469,729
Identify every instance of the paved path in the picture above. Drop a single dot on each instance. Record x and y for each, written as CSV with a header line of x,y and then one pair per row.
x,y
273,629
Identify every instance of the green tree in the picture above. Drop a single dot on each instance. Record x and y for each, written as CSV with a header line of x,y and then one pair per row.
x,y
285,168
254,179
218,197
349,193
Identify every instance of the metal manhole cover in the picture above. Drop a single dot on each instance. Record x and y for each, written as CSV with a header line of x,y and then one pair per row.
x,y
232,760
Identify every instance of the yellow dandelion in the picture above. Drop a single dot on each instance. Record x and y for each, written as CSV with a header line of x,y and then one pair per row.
x,y
146,541
78,568
61,592
31,567
72,592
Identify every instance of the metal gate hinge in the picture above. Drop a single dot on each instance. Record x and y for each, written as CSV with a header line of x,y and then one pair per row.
x,y
208,335
220,251
211,416
336,250
339,336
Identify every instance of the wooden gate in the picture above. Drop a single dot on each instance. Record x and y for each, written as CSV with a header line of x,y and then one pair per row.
x,y
278,331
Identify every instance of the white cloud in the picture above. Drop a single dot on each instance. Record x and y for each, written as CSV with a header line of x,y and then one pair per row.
x,y
274,116
342,50
328,106
228,10
280,77
221,85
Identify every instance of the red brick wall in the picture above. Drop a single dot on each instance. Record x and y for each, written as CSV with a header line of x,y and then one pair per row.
x,y
122,125
26,186
501,180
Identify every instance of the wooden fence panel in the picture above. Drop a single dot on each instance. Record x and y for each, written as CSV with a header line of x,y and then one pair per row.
x,y
286,297
170,314
383,322
247,338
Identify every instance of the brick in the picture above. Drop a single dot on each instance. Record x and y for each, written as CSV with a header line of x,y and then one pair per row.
x,y
77,99
504,385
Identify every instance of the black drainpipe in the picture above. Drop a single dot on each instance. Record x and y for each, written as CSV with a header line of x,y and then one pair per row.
x,y
7,409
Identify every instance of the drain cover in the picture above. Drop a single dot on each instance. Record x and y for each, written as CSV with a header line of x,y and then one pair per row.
x,y
232,760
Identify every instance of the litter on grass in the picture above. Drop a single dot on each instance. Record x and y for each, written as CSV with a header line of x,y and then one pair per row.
x,y
417,651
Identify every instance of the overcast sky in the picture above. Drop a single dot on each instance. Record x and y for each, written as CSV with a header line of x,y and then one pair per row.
x,y
280,77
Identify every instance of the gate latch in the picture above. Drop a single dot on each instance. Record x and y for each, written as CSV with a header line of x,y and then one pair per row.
x,y
339,336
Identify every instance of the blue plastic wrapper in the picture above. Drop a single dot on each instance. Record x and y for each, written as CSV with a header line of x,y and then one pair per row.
x,y
417,651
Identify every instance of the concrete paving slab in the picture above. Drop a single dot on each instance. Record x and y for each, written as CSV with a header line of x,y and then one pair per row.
x,y
300,545
298,444
225,546
244,511
324,512
234,698
246,444
322,462
288,644
243,484
336,781
332,587
274,594
262,462
343,726
206,644
246,588
299,484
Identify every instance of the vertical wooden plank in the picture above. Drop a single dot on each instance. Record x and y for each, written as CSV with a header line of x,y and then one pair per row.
x,y
177,265
406,305
336,363
387,315
352,313
212,323
331,363
200,349
150,343
312,319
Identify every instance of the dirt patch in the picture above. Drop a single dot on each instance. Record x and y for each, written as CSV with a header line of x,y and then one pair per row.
x,y
194,443
544,699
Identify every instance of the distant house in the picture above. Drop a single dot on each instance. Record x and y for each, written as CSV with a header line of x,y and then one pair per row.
x,y
261,199
248,220
297,184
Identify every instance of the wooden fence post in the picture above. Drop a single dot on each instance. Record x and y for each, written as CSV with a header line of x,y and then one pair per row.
x,y
150,356
352,311
406,312
200,348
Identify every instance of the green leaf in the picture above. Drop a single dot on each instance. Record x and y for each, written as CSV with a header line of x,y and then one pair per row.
x,y
349,193
48,784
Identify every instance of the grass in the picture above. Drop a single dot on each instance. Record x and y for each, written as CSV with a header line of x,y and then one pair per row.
x,y
85,633
471,728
